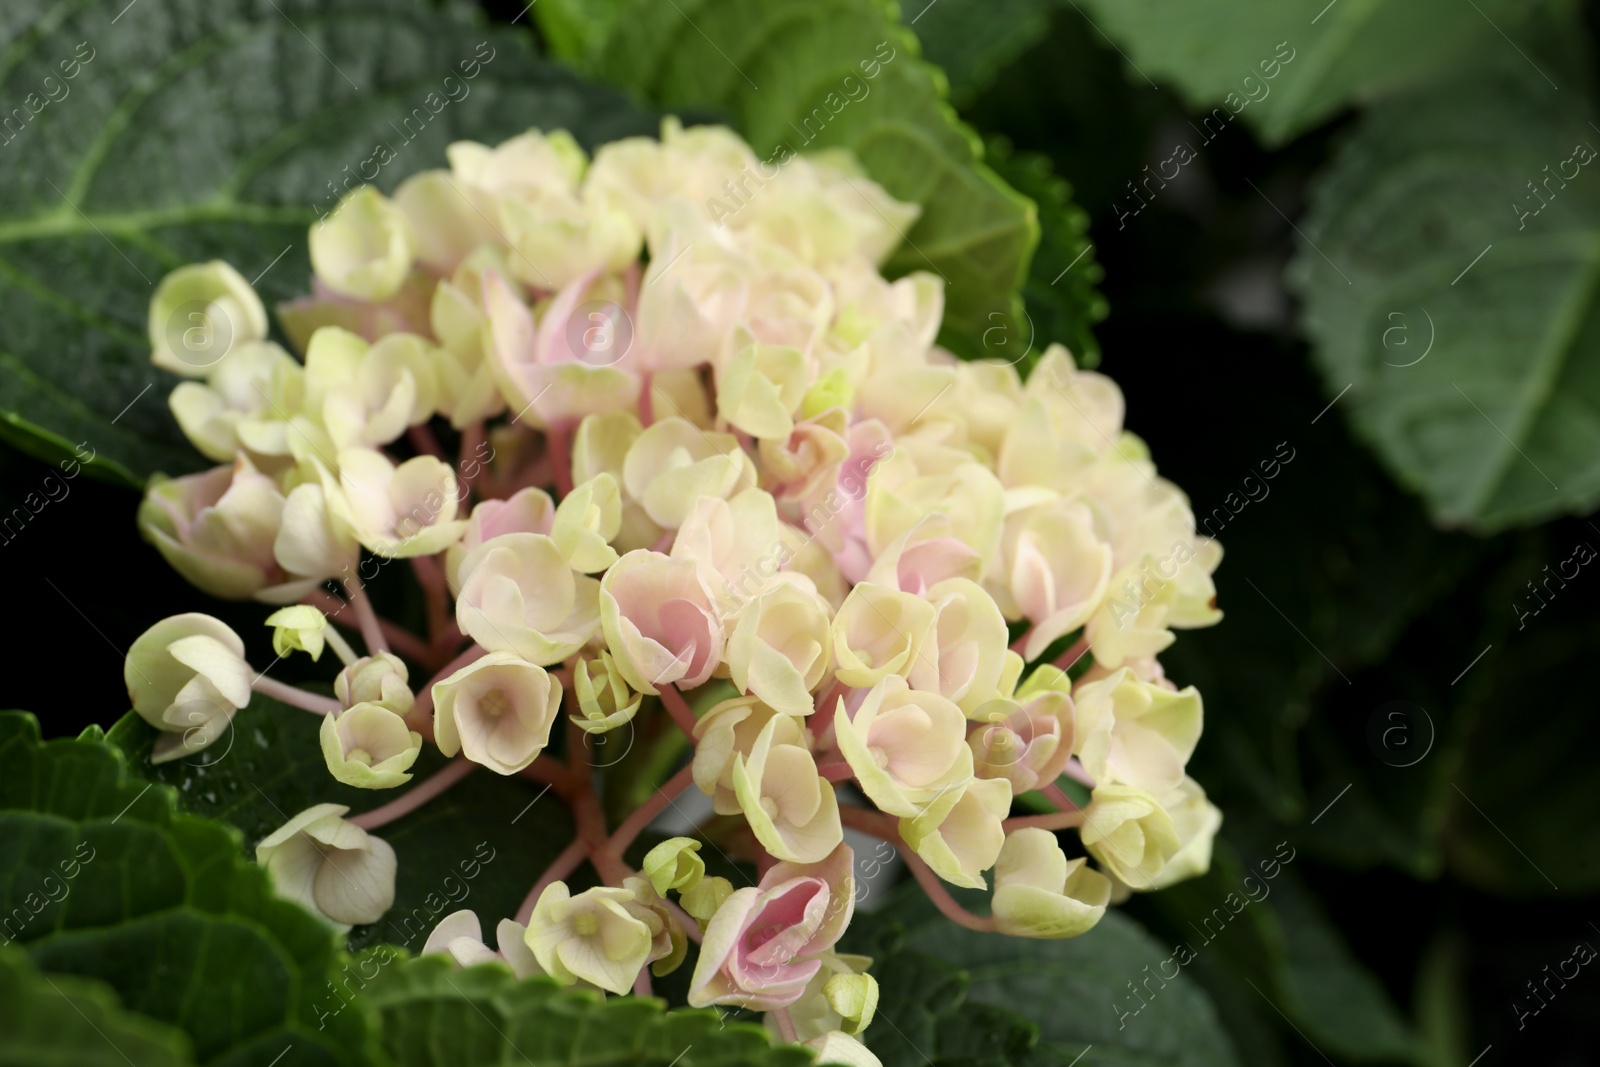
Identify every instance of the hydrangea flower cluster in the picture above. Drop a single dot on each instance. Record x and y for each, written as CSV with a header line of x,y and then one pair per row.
x,y
707,469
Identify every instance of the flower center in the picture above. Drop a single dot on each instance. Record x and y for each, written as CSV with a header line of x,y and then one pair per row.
x,y
586,925
494,703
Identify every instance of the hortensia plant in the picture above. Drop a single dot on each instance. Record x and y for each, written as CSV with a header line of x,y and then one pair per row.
x,y
657,441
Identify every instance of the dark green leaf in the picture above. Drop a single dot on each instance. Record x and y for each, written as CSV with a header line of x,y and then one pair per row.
x,y
1285,67
109,881
1078,992
1424,241
481,845
433,1014
56,1020
972,40
221,131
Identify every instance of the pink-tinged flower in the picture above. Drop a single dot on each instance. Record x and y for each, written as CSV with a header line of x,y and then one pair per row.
x,y
878,633
1028,739
1057,570
779,648
497,711
404,312
527,511
518,595
728,730
660,621
563,369
674,463
217,529
835,513
966,651
790,807
924,556
764,944
807,461
907,748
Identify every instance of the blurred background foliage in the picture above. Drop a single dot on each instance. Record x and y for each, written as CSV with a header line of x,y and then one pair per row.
x,y
1398,694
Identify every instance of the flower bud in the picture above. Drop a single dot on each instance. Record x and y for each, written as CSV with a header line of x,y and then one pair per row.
x,y
199,314
364,249
370,747
603,696
313,545
659,621
459,935
186,675
668,945
519,596
377,679
674,864
959,833
330,867
1027,740
1135,732
1039,893
1130,833
497,711
298,628
854,998
906,747
702,899
591,937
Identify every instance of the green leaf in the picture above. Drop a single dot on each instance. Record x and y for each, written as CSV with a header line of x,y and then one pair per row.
x,y
1416,246
189,136
109,881
1077,991
973,40
54,1019
1060,297
481,845
777,70
433,1013
1524,818
1284,67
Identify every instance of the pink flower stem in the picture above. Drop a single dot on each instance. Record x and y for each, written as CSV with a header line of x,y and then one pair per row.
x,y
870,822
430,576
1075,771
423,440
559,441
416,796
836,772
679,709
295,696
646,813
1060,820
1057,796
472,437
371,631
647,400
785,1024
547,770
641,984
565,863
1076,651
940,896
1021,643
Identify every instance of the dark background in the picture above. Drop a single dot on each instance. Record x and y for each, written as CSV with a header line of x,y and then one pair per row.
x,y
1341,598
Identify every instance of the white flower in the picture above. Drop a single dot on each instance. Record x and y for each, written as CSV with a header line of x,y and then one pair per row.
x,y
331,867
